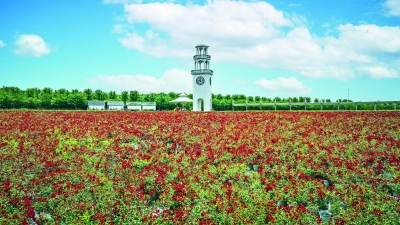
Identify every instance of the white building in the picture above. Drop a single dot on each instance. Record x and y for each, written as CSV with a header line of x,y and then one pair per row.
x,y
141,106
149,106
115,105
134,105
96,105
202,79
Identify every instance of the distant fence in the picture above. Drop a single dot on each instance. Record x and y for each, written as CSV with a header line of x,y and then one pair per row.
x,y
321,104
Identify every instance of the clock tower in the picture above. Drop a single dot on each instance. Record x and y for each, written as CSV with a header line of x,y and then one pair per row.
x,y
202,79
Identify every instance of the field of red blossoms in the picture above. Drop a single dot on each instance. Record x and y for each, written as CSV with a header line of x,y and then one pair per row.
x,y
65,167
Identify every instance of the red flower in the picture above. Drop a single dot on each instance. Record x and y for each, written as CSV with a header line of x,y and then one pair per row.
x,y
230,210
204,213
31,213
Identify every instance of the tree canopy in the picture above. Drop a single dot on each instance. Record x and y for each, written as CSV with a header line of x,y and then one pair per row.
x,y
63,99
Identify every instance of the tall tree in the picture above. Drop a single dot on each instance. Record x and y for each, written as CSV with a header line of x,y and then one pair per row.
x,y
173,95
47,90
150,97
89,93
112,95
6,100
32,92
60,100
77,101
242,97
45,99
100,95
63,91
133,96
124,96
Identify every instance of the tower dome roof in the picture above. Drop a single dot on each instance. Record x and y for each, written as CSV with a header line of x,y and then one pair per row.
x,y
202,45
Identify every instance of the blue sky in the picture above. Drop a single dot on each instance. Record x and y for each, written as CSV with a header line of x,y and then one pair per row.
x,y
314,48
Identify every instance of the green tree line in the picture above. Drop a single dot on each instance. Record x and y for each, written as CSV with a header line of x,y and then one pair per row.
x,y
63,99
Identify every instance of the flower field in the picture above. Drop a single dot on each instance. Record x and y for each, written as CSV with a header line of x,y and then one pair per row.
x,y
65,167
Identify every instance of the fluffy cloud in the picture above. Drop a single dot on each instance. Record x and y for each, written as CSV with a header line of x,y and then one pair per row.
x,y
369,39
255,33
31,45
119,28
219,23
393,7
2,44
121,1
239,81
379,71
133,41
172,81
289,86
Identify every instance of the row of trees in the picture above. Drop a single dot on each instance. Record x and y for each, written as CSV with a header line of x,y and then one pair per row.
x,y
47,98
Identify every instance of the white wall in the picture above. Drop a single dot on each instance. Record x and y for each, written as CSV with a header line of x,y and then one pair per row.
x,y
95,107
202,92
149,107
134,107
119,107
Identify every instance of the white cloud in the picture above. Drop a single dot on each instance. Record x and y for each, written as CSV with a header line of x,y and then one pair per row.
x,y
255,33
2,44
119,28
31,45
239,81
121,1
370,39
173,80
392,7
379,71
220,23
284,85
133,41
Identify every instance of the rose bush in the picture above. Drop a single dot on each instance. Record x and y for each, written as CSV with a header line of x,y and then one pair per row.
x,y
67,167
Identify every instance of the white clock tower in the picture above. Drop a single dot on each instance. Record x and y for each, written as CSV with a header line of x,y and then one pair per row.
x,y
202,79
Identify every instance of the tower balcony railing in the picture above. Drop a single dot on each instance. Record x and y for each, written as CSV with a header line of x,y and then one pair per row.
x,y
202,71
205,57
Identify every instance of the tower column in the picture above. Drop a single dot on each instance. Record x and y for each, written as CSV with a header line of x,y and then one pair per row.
x,y
202,79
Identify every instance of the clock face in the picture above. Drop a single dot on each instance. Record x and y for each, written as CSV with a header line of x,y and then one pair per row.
x,y
200,80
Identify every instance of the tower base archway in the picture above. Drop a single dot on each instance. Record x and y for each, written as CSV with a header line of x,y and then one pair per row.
x,y
198,105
